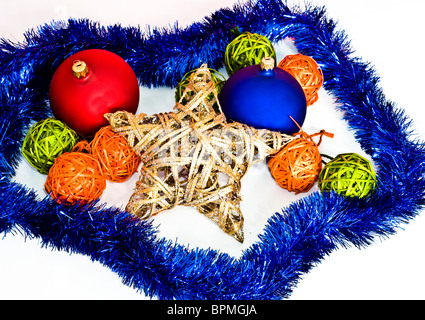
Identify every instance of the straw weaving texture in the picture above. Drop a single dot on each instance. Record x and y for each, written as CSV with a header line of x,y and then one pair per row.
x,y
193,156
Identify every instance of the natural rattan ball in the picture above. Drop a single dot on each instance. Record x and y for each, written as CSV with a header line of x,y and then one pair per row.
x,y
348,174
45,141
297,166
117,159
75,177
247,50
307,72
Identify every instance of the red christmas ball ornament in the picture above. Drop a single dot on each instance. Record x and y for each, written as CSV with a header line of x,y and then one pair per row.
x,y
89,84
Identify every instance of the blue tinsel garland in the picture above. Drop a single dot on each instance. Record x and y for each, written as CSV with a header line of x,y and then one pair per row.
x,y
293,240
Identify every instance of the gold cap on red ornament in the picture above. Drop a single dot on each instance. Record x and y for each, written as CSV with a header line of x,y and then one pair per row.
x,y
80,69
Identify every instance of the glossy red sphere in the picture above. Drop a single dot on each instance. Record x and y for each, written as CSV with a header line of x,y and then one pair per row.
x,y
81,101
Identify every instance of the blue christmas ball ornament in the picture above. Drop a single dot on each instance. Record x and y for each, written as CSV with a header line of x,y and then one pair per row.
x,y
264,97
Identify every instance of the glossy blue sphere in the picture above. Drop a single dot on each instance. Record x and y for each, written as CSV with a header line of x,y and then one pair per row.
x,y
264,99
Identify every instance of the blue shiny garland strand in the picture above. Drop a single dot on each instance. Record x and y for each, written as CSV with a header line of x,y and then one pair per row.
x,y
294,240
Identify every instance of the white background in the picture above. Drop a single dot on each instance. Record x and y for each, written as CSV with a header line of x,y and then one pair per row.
x,y
386,33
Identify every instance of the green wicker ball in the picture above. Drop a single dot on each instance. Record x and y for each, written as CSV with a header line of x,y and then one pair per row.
x,y
348,174
247,49
45,141
216,76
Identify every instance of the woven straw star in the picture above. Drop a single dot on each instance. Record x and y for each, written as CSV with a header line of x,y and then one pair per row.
x,y
193,157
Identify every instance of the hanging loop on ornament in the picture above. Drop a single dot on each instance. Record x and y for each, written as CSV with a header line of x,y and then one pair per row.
x,y
305,135
267,63
321,133
80,69
327,157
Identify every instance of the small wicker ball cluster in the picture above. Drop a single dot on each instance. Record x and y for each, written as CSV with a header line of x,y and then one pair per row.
x,y
298,166
247,49
308,73
77,171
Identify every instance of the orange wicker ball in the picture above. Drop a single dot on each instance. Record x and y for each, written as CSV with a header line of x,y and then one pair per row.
x,y
307,72
75,177
297,166
118,161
